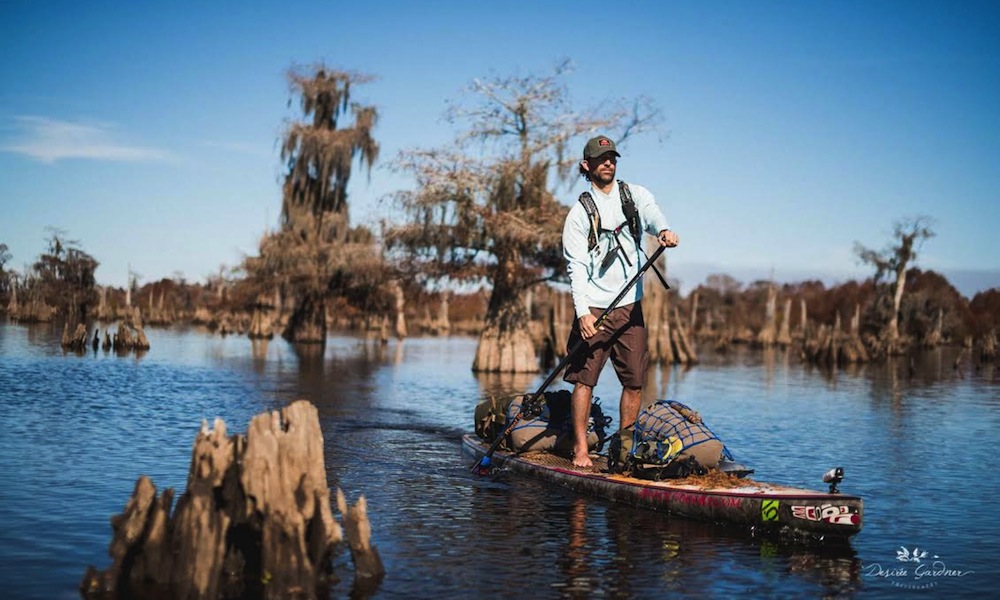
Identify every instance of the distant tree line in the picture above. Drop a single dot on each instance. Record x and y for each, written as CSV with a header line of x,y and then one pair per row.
x,y
59,282
721,309
729,308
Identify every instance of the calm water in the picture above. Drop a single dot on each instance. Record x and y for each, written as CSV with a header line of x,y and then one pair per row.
x,y
920,448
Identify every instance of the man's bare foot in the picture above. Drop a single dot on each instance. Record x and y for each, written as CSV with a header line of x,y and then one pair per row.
x,y
582,459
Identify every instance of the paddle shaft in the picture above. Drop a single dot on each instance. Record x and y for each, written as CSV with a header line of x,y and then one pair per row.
x,y
659,275
565,361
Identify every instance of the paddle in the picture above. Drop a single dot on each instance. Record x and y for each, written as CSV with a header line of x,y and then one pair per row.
x,y
613,254
529,406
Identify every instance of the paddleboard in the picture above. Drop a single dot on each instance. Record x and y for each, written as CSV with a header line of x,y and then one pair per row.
x,y
716,497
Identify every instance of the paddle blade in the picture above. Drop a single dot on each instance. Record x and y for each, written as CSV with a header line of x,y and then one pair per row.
x,y
483,468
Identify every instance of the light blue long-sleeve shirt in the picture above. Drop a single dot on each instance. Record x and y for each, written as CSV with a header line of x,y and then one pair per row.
x,y
590,286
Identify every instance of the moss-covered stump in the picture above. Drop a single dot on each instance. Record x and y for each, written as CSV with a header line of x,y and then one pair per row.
x,y
254,522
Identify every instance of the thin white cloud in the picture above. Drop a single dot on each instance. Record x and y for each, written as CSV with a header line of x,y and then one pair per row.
x,y
49,140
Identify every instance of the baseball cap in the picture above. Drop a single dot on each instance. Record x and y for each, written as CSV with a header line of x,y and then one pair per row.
x,y
599,145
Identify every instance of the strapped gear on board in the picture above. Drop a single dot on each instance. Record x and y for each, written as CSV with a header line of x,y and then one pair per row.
x,y
550,427
668,440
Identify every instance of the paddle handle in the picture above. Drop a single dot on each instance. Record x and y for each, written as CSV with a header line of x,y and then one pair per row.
x,y
485,461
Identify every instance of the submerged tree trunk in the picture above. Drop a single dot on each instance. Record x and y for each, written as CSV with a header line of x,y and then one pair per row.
x,y
785,333
803,318
769,333
442,324
832,347
399,305
666,332
683,350
103,311
74,341
505,344
262,320
897,300
935,336
987,346
12,306
562,323
693,324
307,324
656,313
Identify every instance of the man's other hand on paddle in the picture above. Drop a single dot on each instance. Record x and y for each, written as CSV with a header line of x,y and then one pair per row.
x,y
668,238
587,329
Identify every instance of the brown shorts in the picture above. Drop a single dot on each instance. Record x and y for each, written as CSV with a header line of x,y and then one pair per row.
x,y
622,337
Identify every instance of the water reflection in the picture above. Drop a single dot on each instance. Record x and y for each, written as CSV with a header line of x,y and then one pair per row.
x,y
836,570
397,355
604,549
575,564
258,354
344,360
310,356
503,384
658,381
768,356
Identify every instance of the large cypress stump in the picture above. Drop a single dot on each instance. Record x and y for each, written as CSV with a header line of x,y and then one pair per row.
x,y
505,344
307,324
785,332
262,319
399,306
667,341
254,522
768,335
510,351
76,341
987,344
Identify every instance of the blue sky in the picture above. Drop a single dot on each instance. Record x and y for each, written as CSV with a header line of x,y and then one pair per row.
x,y
148,130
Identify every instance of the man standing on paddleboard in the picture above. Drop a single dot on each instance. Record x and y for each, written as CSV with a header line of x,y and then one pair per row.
x,y
602,243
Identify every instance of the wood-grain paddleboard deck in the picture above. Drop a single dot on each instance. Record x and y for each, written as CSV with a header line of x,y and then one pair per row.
x,y
764,507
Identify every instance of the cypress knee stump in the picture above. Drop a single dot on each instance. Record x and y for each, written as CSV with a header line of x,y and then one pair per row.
x,y
254,522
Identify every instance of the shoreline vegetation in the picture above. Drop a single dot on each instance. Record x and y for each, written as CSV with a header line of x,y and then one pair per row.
x,y
478,251
825,326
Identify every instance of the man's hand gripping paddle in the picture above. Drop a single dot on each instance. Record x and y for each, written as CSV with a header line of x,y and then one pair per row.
x,y
532,406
